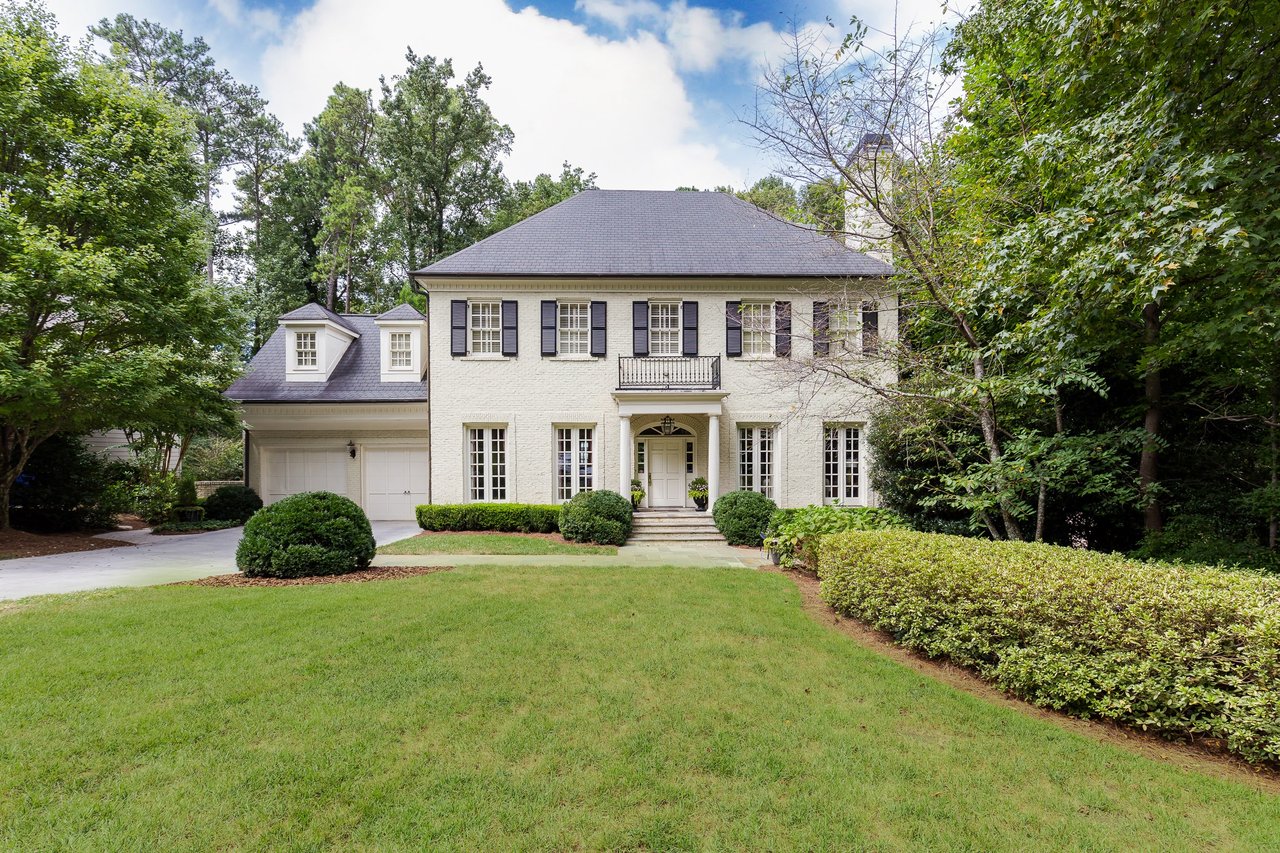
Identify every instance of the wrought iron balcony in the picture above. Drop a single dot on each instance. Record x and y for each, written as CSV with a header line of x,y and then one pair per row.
x,y
668,373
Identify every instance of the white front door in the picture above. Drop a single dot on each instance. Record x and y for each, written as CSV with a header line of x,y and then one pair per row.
x,y
291,471
395,482
666,472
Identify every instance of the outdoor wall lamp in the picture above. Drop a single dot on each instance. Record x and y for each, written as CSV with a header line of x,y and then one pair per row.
x,y
351,448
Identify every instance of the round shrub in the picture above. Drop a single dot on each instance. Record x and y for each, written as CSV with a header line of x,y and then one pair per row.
x,y
232,503
313,533
742,517
601,517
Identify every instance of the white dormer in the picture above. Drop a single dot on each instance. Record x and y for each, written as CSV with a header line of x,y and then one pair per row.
x,y
315,339
403,354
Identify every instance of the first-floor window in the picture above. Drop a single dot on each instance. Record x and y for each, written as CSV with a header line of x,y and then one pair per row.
x,y
840,463
755,459
575,456
487,463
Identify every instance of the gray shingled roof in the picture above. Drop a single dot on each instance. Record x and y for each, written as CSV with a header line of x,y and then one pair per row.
x,y
657,233
315,311
356,379
403,311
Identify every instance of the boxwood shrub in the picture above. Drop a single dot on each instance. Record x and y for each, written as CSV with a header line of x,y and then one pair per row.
x,y
742,517
602,517
232,503
794,533
1185,651
313,533
506,518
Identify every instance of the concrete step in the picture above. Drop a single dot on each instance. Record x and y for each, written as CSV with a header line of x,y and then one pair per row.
x,y
640,538
674,530
675,519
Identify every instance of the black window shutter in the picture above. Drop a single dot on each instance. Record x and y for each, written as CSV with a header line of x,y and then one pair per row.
x,y
782,328
640,328
598,318
689,325
870,327
821,329
548,327
509,331
458,327
733,329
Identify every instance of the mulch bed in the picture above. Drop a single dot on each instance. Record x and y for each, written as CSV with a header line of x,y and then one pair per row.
x,y
374,573
19,543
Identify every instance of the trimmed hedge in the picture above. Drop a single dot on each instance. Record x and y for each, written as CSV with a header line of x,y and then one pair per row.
x,y
794,533
742,517
1186,651
505,518
312,533
202,526
602,517
232,503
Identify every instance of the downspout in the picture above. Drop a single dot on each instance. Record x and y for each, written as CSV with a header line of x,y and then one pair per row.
x,y
431,410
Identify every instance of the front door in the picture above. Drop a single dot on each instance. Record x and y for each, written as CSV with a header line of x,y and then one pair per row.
x,y
666,472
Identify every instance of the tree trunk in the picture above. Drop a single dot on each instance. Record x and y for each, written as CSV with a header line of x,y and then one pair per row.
x,y
1042,499
1148,474
990,436
1273,428
331,301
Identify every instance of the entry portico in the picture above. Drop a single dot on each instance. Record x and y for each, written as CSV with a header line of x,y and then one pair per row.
x,y
642,416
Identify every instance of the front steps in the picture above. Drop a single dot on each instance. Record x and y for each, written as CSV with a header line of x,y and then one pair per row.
x,y
673,525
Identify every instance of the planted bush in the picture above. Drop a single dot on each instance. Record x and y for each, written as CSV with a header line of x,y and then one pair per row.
x,y
742,517
505,518
1185,651
232,503
602,517
313,533
794,533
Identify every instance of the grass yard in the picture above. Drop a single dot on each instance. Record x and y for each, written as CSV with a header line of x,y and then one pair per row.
x,y
490,708
491,543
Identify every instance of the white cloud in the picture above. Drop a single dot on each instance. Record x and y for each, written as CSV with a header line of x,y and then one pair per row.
x,y
260,20
620,13
702,38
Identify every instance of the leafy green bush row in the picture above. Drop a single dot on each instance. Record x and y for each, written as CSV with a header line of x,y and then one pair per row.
x,y
232,503
794,533
507,518
602,517
742,517
194,526
312,533
1186,651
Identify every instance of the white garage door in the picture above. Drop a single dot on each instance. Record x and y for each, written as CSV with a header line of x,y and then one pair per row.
x,y
395,481
293,471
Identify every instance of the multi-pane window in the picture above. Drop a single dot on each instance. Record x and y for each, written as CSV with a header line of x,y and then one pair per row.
x,y
664,328
843,327
840,463
486,327
757,328
574,328
640,448
401,350
688,457
304,348
487,463
755,459
575,450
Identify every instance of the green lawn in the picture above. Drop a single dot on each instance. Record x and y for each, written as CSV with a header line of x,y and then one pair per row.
x,y
489,543
490,708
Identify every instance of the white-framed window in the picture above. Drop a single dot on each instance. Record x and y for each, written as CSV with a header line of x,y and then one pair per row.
x,y
487,463
575,458
843,323
304,349
573,328
664,328
486,327
755,459
401,350
840,463
640,449
688,457
757,328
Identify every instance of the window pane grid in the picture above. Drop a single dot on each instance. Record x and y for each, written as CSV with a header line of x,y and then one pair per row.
x,y
305,349
401,350
574,451
757,328
840,464
486,327
664,328
755,459
574,329
487,468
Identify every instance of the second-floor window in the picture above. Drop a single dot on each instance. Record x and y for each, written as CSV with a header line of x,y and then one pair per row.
x,y
401,351
573,328
304,348
757,328
664,328
486,328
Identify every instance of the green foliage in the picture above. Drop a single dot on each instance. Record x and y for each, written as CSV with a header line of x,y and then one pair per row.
x,y
1184,651
794,533
525,198
65,486
202,526
232,503
742,517
312,533
1202,539
186,495
490,543
505,518
698,488
602,517
155,495
215,457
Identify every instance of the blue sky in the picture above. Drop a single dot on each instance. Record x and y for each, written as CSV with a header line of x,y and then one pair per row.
x,y
647,93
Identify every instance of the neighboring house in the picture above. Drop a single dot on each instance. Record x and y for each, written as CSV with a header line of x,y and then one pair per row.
x,y
338,402
618,334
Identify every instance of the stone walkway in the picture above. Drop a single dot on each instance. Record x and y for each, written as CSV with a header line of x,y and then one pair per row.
x,y
693,554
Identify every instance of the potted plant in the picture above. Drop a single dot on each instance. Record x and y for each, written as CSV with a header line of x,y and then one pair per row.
x,y
699,492
187,509
637,494
771,550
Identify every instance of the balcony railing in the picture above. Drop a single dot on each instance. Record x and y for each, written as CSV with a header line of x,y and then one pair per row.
x,y
663,373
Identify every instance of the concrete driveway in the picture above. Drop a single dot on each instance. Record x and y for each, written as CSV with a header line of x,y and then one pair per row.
x,y
151,560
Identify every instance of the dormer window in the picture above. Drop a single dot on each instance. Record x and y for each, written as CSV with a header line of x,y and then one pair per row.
x,y
401,351
305,349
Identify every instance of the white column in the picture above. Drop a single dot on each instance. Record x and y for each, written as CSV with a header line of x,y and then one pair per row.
x,y
625,465
713,460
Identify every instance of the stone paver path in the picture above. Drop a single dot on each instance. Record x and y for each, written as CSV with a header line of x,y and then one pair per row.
x,y
647,554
